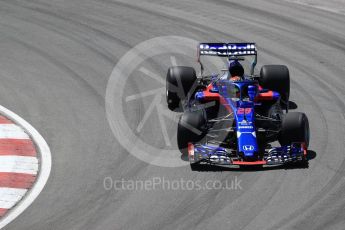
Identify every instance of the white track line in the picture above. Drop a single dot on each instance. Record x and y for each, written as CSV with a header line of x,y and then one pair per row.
x,y
173,61
45,167
336,7
12,131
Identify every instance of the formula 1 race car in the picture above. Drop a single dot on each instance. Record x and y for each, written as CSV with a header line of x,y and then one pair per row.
x,y
233,118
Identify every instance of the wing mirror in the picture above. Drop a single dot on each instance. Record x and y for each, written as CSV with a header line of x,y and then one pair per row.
x,y
264,91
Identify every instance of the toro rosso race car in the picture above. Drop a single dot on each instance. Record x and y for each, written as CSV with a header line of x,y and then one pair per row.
x,y
234,118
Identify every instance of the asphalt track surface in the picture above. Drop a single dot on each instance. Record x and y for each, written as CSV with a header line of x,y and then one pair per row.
x,y
55,60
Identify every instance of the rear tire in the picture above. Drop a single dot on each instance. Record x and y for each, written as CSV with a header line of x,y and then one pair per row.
x,y
295,128
173,100
179,81
191,128
276,78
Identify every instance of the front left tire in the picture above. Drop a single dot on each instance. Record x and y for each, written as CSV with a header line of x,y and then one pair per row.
x,y
191,128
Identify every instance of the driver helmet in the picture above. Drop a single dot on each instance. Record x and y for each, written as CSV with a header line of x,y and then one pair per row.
x,y
236,69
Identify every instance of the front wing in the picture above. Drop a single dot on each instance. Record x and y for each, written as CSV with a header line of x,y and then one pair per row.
x,y
199,153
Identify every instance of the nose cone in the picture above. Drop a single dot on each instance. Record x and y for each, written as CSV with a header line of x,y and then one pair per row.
x,y
247,143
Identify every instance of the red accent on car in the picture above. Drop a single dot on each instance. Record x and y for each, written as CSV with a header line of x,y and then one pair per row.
x,y
249,162
265,96
305,149
210,96
190,151
244,110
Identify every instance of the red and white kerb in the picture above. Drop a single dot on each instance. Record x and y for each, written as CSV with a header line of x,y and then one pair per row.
x,y
19,164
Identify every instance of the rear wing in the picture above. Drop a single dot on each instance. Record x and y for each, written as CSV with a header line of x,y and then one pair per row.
x,y
228,50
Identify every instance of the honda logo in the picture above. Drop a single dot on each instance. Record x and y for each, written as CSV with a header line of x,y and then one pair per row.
x,y
248,147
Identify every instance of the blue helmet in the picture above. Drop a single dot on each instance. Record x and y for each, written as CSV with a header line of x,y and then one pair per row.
x,y
236,69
